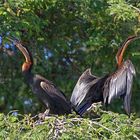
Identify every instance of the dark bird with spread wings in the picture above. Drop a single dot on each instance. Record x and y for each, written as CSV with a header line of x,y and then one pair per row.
x,y
45,90
91,89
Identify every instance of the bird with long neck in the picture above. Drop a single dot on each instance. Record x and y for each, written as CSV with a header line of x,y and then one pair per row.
x,y
53,98
119,83
91,89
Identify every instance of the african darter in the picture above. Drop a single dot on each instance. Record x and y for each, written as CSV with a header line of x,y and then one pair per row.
x,y
91,89
53,98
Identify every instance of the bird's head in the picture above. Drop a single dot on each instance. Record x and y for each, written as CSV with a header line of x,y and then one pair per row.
x,y
27,65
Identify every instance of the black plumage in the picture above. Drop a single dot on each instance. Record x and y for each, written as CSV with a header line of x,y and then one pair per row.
x,y
52,97
91,89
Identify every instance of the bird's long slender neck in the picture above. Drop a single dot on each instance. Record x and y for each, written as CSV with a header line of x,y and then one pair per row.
x,y
120,53
27,65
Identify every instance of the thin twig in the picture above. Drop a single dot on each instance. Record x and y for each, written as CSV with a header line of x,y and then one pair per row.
x,y
136,137
137,9
96,123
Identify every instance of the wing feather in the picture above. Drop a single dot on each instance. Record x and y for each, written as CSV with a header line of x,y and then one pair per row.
x,y
56,100
51,90
120,84
82,87
127,98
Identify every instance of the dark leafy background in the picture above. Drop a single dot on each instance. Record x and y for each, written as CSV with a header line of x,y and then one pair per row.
x,y
65,37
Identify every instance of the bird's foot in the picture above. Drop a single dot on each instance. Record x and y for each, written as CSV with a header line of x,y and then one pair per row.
x,y
42,116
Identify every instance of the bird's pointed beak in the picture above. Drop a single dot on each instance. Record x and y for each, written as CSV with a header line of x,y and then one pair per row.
x,y
21,48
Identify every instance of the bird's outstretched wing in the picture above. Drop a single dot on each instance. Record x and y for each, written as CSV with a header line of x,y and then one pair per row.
x,y
119,84
82,87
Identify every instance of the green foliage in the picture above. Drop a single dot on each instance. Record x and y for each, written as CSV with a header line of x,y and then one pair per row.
x,y
108,126
78,33
122,10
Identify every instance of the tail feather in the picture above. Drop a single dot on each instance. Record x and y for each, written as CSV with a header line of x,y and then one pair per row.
x,y
82,109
